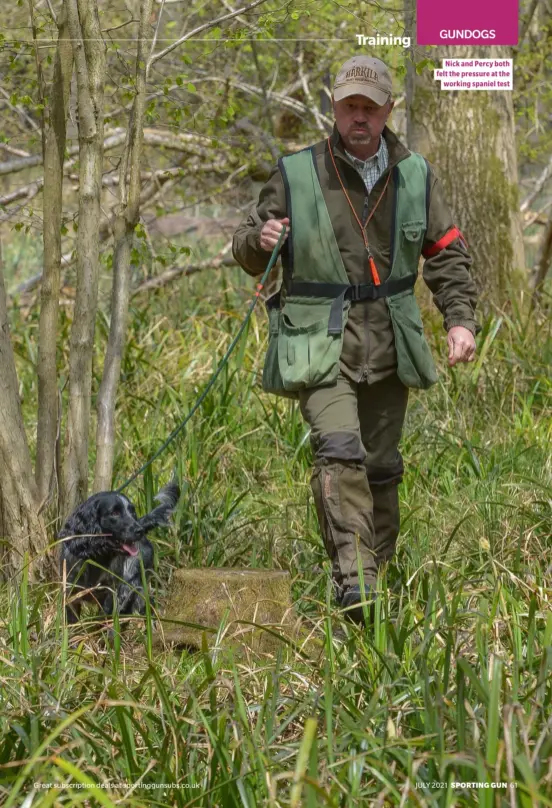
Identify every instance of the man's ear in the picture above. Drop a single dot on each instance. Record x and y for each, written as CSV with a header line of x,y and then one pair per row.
x,y
391,105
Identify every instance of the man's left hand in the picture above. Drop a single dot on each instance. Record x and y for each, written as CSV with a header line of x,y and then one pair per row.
x,y
461,344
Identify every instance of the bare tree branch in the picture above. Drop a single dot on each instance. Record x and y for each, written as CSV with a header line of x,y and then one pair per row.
x,y
13,150
155,57
300,109
20,111
527,23
530,217
177,272
52,12
313,109
27,193
149,196
539,185
182,141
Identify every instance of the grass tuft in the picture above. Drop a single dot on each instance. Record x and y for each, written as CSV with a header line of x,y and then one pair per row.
x,y
448,685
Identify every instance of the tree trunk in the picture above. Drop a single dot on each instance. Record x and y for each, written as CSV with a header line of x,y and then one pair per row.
x,y
21,528
54,152
470,138
89,54
125,222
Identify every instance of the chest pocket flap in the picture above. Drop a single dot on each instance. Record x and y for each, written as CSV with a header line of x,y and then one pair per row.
x,y
413,231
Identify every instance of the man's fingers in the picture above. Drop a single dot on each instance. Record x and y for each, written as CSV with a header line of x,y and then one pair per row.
x,y
270,233
454,351
460,351
461,344
275,231
272,238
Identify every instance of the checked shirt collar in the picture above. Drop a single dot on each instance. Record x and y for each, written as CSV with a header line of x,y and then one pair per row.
x,y
371,170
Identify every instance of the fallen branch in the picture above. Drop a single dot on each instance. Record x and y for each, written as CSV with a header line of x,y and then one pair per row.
x,y
177,272
149,195
196,145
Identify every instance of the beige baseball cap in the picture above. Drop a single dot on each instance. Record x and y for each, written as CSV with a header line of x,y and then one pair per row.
x,y
364,75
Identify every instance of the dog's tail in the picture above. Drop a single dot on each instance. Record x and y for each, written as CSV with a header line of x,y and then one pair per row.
x,y
168,497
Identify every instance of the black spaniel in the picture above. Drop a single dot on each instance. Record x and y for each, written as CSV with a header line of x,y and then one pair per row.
x,y
106,531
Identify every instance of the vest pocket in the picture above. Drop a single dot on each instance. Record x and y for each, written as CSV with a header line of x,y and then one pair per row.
x,y
272,379
412,237
416,367
307,355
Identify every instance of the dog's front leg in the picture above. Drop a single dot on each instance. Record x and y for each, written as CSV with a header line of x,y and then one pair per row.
x,y
130,598
107,604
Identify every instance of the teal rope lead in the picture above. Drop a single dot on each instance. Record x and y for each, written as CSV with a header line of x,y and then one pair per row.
x,y
215,375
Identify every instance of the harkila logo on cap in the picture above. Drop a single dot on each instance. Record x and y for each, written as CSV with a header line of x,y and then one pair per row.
x,y
365,73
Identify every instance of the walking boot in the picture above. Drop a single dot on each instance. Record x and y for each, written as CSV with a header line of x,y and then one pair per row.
x,y
351,603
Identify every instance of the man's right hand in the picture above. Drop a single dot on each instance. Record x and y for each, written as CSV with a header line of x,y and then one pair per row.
x,y
270,233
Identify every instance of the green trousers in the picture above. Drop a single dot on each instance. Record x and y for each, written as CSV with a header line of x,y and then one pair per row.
x,y
355,433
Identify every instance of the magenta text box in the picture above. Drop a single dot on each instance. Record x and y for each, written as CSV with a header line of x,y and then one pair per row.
x,y
467,22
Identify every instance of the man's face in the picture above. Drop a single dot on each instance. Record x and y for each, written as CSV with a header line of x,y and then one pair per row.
x,y
360,120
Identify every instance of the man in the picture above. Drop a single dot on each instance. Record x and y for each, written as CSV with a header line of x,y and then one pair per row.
x,y
359,210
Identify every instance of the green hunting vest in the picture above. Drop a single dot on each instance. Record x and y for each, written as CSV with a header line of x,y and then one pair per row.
x,y
306,333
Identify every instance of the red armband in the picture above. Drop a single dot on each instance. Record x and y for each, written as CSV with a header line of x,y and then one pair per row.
x,y
444,242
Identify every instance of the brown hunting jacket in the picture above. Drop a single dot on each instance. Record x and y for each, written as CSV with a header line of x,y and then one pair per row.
x,y
368,346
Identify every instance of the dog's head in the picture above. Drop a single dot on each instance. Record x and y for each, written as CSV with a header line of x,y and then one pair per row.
x,y
109,519
116,517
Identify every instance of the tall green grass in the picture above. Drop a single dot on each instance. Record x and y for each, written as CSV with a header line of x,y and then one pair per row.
x,y
448,685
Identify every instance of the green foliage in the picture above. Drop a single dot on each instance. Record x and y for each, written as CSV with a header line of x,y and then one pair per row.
x,y
448,683
426,64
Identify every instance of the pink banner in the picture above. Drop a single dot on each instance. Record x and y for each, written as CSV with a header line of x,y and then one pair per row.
x,y
467,22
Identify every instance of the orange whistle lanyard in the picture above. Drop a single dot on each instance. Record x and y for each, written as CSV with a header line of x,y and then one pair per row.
x,y
371,262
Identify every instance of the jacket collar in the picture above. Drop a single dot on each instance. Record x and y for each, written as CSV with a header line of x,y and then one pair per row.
x,y
397,151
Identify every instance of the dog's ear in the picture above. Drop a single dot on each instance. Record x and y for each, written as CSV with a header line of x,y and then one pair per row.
x,y
84,520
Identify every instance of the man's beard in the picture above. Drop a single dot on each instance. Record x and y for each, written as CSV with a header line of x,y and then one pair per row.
x,y
360,139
